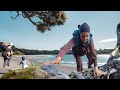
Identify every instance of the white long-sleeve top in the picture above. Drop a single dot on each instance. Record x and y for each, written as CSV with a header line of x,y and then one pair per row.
x,y
24,63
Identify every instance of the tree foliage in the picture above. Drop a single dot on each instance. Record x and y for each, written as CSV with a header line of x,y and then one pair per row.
x,y
43,20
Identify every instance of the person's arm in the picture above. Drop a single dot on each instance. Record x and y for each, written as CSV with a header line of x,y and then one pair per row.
x,y
3,48
93,53
27,62
20,63
65,49
11,52
57,60
94,58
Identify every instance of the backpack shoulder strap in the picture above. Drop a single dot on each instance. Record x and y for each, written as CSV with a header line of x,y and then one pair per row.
x,y
89,40
76,36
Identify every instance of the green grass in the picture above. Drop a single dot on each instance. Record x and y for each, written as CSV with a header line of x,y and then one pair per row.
x,y
27,73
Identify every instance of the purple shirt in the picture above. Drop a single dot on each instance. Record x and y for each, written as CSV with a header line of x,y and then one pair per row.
x,y
67,47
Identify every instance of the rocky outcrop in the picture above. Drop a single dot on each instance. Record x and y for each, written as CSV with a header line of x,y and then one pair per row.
x,y
111,70
54,72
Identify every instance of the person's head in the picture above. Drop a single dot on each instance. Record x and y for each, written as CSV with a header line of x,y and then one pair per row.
x,y
23,58
118,26
10,44
78,26
84,32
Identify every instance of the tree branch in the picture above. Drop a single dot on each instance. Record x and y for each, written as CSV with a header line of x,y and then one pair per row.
x,y
16,16
29,18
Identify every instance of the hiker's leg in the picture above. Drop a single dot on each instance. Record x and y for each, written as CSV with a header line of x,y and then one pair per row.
x,y
78,62
5,62
8,62
90,61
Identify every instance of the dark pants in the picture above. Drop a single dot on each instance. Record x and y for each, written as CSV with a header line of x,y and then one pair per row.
x,y
79,61
6,61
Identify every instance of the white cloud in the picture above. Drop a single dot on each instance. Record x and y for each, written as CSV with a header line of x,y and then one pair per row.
x,y
107,40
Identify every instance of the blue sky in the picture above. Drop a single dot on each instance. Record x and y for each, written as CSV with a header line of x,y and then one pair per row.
x,y
25,35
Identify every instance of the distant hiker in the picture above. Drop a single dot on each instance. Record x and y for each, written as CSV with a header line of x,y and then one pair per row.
x,y
24,63
10,45
81,44
7,53
116,51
